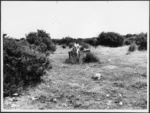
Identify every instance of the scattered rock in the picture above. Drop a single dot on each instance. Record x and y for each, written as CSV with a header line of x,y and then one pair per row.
x,y
54,100
98,99
34,98
107,95
121,103
15,94
97,76
120,94
70,96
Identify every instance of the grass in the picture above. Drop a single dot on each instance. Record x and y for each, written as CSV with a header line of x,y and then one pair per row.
x,y
123,80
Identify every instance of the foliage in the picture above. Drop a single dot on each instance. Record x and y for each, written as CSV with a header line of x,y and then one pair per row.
x,y
42,40
90,57
66,41
110,39
23,65
132,47
136,38
130,40
91,41
142,41
127,42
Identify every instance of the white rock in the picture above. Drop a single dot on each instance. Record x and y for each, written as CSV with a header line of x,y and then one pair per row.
x,y
121,103
107,95
55,100
97,76
15,94
34,98
120,94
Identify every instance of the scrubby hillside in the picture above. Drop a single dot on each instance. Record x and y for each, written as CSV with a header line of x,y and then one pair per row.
x,y
123,83
25,60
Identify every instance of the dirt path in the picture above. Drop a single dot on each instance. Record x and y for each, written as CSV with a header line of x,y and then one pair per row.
x,y
123,84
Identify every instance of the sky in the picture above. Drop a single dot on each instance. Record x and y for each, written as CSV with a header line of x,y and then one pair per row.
x,y
77,19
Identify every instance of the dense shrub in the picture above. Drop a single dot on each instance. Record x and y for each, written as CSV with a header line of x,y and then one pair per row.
x,y
56,41
66,41
110,39
143,45
90,57
130,40
127,42
142,41
22,65
130,35
42,40
132,47
91,41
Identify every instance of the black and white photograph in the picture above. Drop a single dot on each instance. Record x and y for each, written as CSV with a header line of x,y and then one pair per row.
x,y
72,56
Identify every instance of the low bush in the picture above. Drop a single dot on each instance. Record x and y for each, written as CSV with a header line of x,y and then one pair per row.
x,y
90,57
132,47
22,65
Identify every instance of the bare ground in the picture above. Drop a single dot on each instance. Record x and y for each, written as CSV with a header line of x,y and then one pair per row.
x,y
123,84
